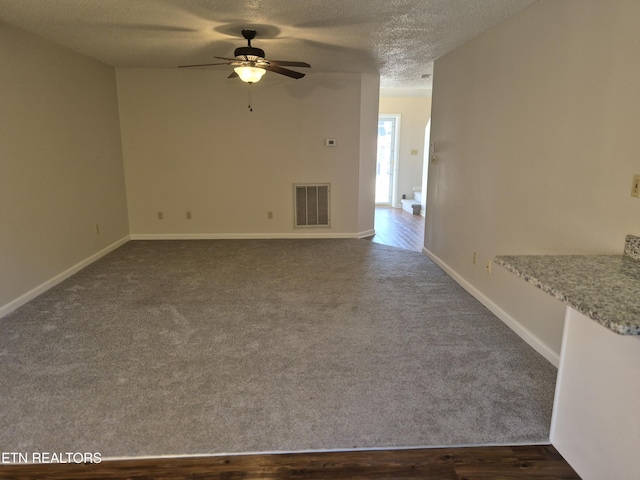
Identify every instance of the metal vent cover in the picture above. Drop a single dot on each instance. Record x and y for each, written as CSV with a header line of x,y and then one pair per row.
x,y
311,204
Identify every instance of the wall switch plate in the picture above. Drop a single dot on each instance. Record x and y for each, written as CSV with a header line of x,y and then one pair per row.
x,y
432,153
635,186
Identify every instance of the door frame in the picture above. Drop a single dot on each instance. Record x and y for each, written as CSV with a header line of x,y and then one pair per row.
x,y
395,117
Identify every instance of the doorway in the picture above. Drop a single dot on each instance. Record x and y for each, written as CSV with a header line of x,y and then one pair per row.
x,y
387,159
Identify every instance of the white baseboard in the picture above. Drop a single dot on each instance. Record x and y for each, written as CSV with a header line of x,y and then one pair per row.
x,y
245,236
40,289
524,333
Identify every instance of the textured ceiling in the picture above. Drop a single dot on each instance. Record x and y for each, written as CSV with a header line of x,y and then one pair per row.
x,y
399,39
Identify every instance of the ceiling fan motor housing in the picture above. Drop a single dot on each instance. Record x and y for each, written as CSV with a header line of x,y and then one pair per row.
x,y
249,53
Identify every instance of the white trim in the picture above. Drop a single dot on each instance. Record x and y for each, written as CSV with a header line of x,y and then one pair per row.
x,y
171,456
367,233
559,381
244,236
324,450
524,333
396,117
43,287
396,161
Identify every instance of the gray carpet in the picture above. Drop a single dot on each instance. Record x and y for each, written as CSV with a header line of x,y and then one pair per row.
x,y
193,347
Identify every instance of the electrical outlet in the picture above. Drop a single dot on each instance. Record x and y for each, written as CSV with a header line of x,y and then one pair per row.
x,y
160,216
489,266
635,186
188,214
270,215
475,257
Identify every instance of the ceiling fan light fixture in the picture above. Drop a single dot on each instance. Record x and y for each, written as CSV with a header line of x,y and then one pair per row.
x,y
250,74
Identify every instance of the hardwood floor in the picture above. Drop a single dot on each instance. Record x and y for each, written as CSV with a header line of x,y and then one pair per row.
x,y
521,462
399,228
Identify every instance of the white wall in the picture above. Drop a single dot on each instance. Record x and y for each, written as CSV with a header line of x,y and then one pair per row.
x,y
191,144
369,100
414,114
61,167
535,124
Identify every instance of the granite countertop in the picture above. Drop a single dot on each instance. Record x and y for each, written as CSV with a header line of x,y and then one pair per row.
x,y
606,288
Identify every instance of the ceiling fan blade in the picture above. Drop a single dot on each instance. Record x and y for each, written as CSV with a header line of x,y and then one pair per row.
x,y
285,63
283,71
225,58
203,65
233,75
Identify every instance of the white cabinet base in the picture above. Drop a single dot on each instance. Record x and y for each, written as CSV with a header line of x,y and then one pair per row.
x,y
596,413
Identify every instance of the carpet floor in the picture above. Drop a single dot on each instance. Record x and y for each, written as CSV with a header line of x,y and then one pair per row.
x,y
223,346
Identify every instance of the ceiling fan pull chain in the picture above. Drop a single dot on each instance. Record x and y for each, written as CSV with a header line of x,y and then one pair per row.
x,y
249,92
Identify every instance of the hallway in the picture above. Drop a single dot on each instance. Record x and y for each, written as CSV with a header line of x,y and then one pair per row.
x,y
398,228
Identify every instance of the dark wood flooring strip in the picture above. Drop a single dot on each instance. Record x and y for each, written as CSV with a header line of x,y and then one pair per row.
x,y
475,463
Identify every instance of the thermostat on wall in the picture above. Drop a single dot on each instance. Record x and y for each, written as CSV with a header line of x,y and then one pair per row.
x,y
330,142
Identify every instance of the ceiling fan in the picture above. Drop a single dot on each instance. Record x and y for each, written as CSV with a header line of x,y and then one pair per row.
x,y
250,63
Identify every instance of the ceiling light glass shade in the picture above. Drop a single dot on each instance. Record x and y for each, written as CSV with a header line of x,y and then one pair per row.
x,y
250,74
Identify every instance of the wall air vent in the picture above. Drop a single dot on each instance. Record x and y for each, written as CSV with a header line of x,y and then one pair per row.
x,y
311,205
